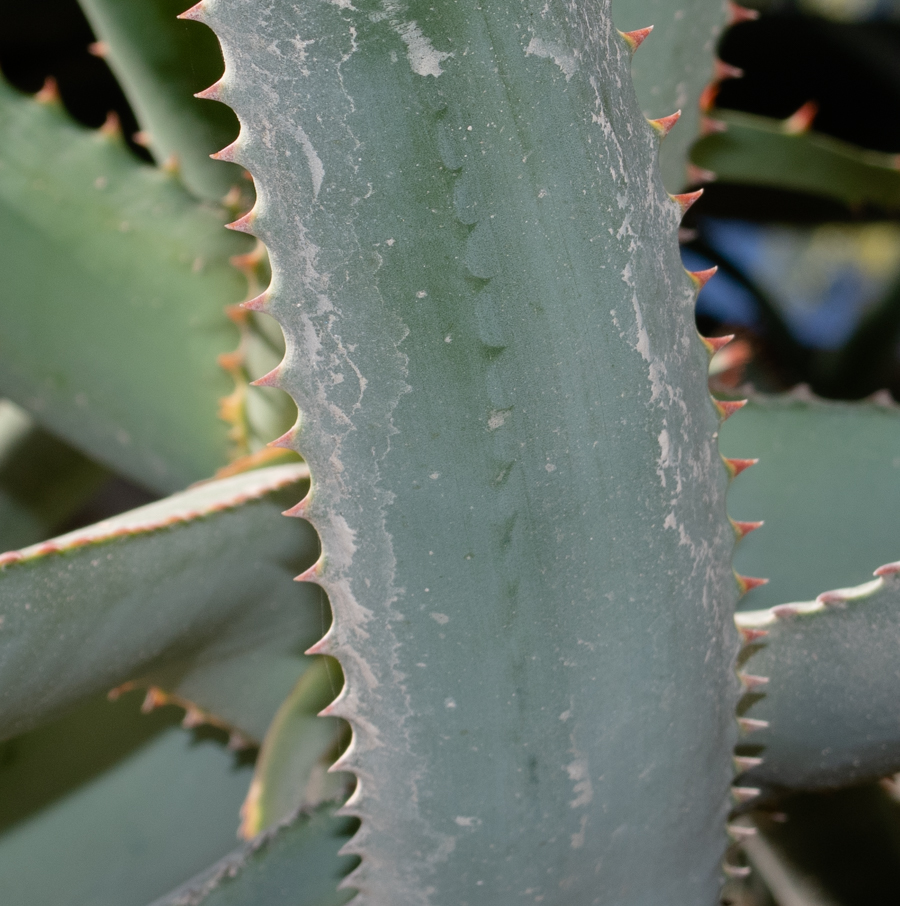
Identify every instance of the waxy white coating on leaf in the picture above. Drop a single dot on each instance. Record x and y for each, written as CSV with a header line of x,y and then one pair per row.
x,y
490,509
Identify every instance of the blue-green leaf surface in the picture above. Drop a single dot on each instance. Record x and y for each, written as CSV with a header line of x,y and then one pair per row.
x,y
194,593
111,807
113,299
514,475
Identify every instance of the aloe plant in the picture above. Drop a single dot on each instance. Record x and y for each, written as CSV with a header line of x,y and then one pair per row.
x,y
512,669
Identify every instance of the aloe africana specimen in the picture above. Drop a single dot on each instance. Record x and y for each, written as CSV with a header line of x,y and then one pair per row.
x,y
514,472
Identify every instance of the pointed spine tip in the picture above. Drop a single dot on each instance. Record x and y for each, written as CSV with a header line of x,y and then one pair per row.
x,y
635,38
686,200
258,303
750,682
727,408
750,636
98,49
323,646
699,176
708,97
141,138
297,510
285,441
889,569
740,832
714,344
831,598
801,121
49,93
723,70
111,127
710,126
665,124
268,380
744,763
749,725
748,583
742,794
195,13
738,14
736,466
701,278
735,871
742,529
243,224
213,93
313,574
228,153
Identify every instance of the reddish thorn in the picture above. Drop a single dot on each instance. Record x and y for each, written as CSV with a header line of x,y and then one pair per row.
x,y
311,574
785,611
213,93
49,93
10,557
193,717
830,598
752,635
751,725
727,408
708,97
745,763
744,794
735,871
230,361
111,126
744,528
268,380
748,583
889,569
141,138
736,466
258,303
98,49
716,343
195,13
665,124
171,165
698,176
725,70
751,682
227,153
323,646
242,224
297,510
709,126
284,441
701,278
155,698
634,39
802,120
741,14
328,710
686,199
740,832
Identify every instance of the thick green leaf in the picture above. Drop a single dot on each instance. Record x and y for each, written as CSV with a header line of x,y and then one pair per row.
x,y
832,700
42,481
827,485
675,68
504,407
161,62
298,749
758,151
295,864
113,297
194,592
110,807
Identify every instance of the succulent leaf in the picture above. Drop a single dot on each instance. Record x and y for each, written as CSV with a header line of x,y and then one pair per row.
x,y
831,708
291,772
755,150
42,480
672,70
826,484
161,62
115,285
293,864
490,337
194,593
112,807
